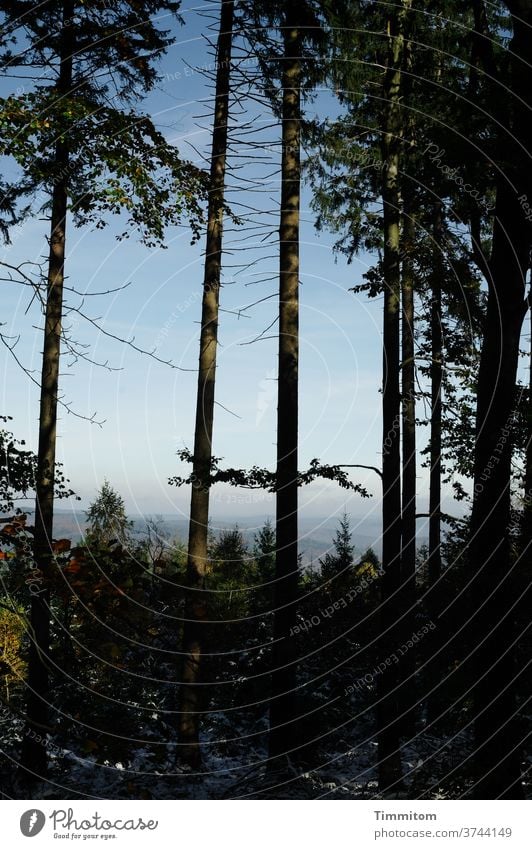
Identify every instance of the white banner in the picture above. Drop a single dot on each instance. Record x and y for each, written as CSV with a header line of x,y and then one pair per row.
x,y
267,824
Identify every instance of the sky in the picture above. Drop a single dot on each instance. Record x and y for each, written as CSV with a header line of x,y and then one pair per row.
x,y
146,409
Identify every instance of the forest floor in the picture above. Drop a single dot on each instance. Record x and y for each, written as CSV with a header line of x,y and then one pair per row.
x,y
434,768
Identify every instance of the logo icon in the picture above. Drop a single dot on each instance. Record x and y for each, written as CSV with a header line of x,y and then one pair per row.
x,y
32,822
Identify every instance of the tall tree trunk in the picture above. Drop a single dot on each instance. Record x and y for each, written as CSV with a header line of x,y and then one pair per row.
x,y
393,127
408,506
526,528
191,697
433,670
434,558
283,679
497,754
34,758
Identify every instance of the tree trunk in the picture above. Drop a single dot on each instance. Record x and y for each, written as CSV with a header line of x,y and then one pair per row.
x,y
497,761
393,127
434,558
408,507
191,697
283,679
526,528
433,669
497,751
34,757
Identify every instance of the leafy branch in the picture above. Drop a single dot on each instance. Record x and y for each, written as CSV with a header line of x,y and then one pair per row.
x,y
260,478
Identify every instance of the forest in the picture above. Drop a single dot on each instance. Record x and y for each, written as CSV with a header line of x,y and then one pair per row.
x,y
353,182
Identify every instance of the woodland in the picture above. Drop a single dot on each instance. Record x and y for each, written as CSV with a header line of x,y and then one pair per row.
x,y
142,667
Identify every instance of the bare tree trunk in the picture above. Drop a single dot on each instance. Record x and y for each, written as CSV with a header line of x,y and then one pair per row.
x,y
283,680
526,528
34,757
434,558
191,698
433,667
393,127
408,507
497,747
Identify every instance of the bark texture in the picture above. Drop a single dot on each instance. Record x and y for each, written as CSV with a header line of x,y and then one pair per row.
x,y
192,696
34,757
282,737
393,129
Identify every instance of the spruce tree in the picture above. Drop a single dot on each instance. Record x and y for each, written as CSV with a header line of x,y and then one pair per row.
x,y
339,564
107,519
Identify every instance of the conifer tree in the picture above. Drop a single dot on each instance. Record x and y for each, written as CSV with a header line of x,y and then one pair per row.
x,y
107,519
340,563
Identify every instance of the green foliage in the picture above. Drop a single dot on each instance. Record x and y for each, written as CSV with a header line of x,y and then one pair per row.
x,y
232,571
121,39
264,552
263,24
260,478
339,564
119,164
8,215
113,161
18,467
107,520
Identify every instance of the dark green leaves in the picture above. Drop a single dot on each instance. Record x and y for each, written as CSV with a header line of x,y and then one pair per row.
x,y
259,478
119,163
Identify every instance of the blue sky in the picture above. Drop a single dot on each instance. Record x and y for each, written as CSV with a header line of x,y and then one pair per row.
x,y
148,408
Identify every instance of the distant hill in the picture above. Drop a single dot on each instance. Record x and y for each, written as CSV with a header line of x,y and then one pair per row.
x,y
316,534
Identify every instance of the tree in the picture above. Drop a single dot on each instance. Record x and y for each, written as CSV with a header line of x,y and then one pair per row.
x,y
526,521
339,565
90,158
264,548
408,496
393,126
107,520
436,383
196,608
282,707
497,756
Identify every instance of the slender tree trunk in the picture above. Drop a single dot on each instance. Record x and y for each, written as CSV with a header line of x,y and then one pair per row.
x,y
526,529
497,751
434,558
34,758
433,670
393,126
408,507
191,697
283,679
